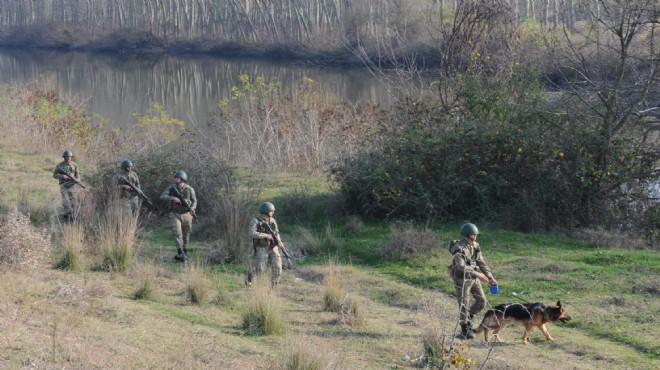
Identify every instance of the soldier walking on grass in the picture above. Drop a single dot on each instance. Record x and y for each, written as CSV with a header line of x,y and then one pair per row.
x,y
67,174
266,251
465,270
183,203
130,202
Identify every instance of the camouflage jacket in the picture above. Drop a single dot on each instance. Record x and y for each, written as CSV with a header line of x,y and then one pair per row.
x,y
188,194
467,261
121,178
71,168
258,231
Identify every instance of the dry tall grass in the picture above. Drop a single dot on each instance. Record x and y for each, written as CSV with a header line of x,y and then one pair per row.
x,y
21,245
352,311
145,274
49,123
301,354
308,242
263,312
441,348
334,291
407,241
70,244
117,231
262,128
198,284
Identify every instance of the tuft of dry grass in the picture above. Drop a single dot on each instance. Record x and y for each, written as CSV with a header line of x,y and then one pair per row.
x,y
309,244
198,285
354,224
330,242
70,256
21,245
302,354
117,232
334,291
601,237
440,347
406,241
352,312
263,312
145,274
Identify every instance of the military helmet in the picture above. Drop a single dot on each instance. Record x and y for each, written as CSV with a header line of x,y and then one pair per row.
x,y
126,163
266,207
67,153
182,175
469,229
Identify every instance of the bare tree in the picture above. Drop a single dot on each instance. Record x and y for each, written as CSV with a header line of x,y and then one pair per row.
x,y
607,71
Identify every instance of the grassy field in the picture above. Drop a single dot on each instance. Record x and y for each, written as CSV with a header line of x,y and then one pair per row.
x,y
91,320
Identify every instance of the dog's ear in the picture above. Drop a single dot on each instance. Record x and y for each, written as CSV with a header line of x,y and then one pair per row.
x,y
558,303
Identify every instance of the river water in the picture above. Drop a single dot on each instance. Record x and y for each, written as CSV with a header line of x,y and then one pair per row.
x,y
189,88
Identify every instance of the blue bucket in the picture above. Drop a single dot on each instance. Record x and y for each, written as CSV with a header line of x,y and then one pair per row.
x,y
494,289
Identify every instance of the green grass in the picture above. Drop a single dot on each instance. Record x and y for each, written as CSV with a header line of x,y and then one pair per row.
x,y
545,268
612,294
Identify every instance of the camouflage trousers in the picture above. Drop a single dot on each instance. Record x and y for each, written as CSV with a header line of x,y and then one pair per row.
x,y
263,257
130,206
181,224
69,201
465,288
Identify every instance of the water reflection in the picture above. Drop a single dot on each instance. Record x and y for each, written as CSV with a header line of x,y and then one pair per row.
x,y
188,87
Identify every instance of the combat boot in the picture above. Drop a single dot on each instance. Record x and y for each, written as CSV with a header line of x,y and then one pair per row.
x,y
466,332
180,256
470,323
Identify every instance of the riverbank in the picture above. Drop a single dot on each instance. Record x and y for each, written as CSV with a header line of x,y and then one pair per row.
x,y
146,43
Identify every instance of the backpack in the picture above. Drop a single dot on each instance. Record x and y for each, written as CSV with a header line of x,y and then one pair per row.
x,y
452,244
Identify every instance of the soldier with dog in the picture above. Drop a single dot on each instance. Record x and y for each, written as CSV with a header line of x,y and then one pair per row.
x,y
468,269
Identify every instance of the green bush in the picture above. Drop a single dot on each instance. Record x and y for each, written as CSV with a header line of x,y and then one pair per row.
x,y
499,157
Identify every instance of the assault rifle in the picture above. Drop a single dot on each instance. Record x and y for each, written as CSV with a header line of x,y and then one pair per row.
x,y
185,203
137,190
277,241
62,171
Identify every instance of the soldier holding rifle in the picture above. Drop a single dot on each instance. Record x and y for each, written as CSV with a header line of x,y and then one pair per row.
x,y
67,174
183,202
267,244
129,188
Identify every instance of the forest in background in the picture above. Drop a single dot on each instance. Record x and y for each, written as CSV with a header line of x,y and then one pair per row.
x,y
316,29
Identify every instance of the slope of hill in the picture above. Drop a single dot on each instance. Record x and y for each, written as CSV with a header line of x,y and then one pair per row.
x,y
90,320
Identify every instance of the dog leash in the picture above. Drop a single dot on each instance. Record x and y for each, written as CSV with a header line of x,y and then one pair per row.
x,y
514,294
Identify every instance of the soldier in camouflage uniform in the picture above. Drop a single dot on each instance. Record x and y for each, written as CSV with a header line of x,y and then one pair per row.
x,y
130,201
67,184
467,268
180,218
265,249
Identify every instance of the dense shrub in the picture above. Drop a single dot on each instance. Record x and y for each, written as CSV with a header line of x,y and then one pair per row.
x,y
500,157
211,178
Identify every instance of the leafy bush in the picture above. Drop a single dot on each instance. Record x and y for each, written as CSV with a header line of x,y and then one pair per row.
x,y
496,156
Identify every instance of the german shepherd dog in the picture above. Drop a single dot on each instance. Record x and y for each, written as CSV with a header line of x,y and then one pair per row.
x,y
528,314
